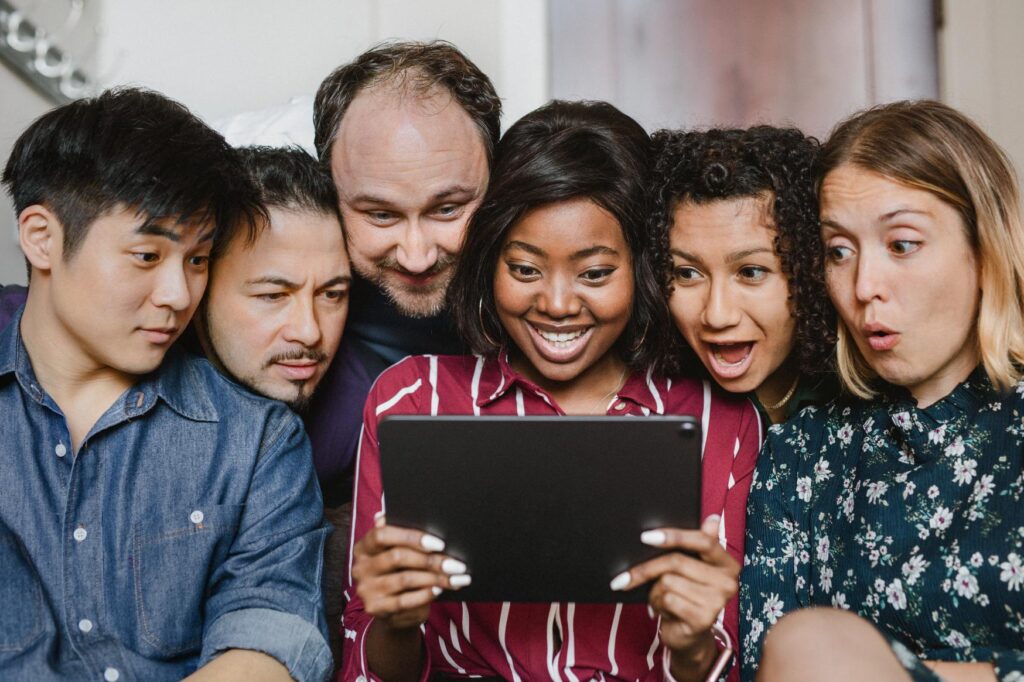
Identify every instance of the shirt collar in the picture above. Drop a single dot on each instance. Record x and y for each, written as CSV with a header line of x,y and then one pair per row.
x,y
177,382
497,377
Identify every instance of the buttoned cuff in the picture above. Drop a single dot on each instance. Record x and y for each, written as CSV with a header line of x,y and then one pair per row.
x,y
1009,666
296,643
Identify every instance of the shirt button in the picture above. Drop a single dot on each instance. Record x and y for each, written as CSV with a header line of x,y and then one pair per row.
x,y
620,405
60,450
196,517
111,675
80,534
85,625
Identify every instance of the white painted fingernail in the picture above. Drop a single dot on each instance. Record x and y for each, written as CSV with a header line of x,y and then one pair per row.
x,y
653,537
432,543
453,566
714,517
436,590
462,580
620,581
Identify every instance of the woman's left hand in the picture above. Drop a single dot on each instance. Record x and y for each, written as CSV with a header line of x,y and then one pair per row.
x,y
689,589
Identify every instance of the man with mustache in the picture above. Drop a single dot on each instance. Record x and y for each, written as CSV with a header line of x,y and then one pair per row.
x,y
407,130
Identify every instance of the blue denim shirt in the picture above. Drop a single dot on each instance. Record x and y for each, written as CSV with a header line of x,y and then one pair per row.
x,y
189,522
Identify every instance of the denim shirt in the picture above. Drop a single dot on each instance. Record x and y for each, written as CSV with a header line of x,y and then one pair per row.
x,y
189,522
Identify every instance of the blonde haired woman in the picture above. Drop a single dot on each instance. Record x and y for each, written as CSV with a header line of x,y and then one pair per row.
x,y
902,503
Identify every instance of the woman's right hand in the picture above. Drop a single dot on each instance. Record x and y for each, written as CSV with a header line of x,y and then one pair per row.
x,y
399,572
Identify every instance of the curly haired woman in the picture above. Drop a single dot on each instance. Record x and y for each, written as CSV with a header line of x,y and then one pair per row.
x,y
736,215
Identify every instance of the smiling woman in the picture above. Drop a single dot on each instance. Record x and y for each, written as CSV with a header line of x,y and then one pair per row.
x,y
902,503
556,292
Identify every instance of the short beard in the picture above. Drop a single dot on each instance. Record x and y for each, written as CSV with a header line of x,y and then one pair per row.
x,y
421,304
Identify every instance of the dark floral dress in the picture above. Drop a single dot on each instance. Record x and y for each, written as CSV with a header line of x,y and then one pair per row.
x,y
913,518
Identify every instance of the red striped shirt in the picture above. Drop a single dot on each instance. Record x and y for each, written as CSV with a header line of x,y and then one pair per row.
x,y
521,641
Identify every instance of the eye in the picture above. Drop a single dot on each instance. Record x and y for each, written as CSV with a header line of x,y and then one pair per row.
x,y
523,272
146,256
199,261
596,275
448,211
335,295
838,253
753,273
686,274
382,218
272,296
904,247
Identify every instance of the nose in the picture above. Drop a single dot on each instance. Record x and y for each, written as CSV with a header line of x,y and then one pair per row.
x,y
720,310
417,252
558,298
172,287
870,282
303,326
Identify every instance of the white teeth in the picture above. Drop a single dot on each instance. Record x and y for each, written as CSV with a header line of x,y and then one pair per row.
x,y
560,338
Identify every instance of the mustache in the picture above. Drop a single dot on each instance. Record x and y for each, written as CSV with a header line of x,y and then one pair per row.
x,y
298,354
444,261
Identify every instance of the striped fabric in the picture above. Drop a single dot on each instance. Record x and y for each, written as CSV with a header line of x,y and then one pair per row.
x,y
559,641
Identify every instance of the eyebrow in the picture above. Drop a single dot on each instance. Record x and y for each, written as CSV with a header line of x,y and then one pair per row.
x,y
151,227
288,284
598,250
884,218
456,191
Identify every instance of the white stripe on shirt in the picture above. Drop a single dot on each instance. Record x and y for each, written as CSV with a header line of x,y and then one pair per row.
x,y
433,385
502,626
611,640
390,402
659,407
705,418
570,659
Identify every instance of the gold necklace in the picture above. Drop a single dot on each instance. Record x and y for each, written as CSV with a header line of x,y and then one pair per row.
x,y
618,387
785,398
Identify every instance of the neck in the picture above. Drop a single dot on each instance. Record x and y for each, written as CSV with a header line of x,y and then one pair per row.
x,y
939,385
773,389
81,387
588,392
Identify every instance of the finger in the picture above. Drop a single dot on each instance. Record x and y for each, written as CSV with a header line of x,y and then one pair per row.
x,y
696,542
400,558
708,599
693,568
678,608
382,538
378,520
397,605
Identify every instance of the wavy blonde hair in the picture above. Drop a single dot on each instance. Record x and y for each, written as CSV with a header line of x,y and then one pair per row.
x,y
930,146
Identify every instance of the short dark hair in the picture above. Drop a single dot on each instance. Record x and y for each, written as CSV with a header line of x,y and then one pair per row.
x,y
134,148
423,66
288,177
559,152
722,164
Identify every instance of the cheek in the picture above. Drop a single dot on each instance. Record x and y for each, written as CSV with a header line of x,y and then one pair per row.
x,y
510,296
685,309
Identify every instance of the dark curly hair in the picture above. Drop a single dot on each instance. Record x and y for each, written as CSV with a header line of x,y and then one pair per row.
x,y
720,164
559,152
421,66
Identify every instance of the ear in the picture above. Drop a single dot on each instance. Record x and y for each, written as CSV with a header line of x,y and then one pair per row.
x,y
40,235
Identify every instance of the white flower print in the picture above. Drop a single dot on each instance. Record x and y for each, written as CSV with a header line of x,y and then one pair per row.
x,y
913,568
756,628
803,488
839,601
876,489
941,519
895,595
977,560
956,448
965,584
964,471
821,472
937,435
993,560
957,639
1013,572
848,504
879,585
773,608
909,489
933,492
845,434
983,487
823,547
869,424
825,580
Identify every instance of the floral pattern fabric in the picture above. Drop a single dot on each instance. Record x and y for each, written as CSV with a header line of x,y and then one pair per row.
x,y
910,517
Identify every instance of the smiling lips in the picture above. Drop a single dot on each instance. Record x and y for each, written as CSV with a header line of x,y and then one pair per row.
x,y
730,360
561,345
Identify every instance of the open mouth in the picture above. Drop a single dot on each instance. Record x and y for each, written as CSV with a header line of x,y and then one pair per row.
x,y
560,346
883,340
730,360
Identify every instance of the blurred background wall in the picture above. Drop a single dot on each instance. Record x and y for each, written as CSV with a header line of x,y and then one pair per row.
x,y
669,63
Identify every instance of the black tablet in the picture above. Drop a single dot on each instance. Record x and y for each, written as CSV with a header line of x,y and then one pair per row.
x,y
542,509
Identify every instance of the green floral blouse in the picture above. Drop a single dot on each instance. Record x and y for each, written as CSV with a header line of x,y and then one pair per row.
x,y
911,517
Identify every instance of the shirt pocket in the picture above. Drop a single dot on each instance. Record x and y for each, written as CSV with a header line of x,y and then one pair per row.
x,y
21,596
175,554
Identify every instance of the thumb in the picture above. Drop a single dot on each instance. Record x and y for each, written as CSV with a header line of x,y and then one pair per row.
x,y
710,525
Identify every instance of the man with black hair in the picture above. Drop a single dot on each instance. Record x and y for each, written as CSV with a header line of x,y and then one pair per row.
x,y
157,520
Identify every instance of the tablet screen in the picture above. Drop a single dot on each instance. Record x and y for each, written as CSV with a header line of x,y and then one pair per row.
x,y
542,509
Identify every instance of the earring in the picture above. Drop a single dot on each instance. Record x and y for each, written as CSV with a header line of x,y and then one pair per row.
x,y
483,326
